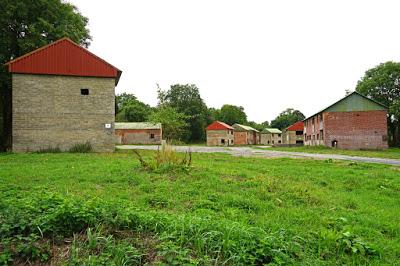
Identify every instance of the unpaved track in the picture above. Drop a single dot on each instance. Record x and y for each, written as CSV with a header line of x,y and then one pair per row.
x,y
249,152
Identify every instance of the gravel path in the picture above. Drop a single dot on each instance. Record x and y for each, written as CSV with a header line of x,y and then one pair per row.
x,y
248,152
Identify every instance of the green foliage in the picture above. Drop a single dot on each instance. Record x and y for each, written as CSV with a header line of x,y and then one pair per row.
x,y
186,99
90,209
129,109
232,114
287,118
382,83
81,147
25,26
174,123
49,149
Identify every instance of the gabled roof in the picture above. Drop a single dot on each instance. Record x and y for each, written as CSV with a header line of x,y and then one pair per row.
x,y
137,125
240,127
271,131
298,126
218,125
354,93
63,57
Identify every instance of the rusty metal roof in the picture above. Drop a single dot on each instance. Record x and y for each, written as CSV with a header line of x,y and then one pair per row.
x,y
239,127
218,125
63,57
298,126
271,130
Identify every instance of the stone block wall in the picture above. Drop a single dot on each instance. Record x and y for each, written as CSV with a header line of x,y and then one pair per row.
x,y
214,137
138,136
50,111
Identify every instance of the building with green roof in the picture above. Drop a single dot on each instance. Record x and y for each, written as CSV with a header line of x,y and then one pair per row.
x,y
271,136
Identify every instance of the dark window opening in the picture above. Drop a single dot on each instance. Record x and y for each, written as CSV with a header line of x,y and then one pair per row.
x,y
299,141
299,133
279,135
334,143
279,141
84,91
222,141
152,136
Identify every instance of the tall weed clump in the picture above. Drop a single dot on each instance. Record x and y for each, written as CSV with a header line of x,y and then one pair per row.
x,y
81,147
166,159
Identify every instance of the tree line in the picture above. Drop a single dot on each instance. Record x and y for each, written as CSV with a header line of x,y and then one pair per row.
x,y
184,114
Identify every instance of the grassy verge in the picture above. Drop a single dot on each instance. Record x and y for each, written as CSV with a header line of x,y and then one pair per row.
x,y
103,208
391,153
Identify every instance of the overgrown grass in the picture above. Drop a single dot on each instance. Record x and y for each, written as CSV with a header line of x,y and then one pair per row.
x,y
104,209
391,153
81,147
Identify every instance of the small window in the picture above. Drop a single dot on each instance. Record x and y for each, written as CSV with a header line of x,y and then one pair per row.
x,y
84,91
279,141
273,142
222,141
279,135
152,136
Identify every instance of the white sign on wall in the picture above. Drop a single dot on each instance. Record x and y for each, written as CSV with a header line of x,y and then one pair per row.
x,y
107,125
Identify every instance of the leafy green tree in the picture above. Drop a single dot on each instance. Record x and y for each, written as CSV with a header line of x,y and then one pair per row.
x,y
24,26
186,99
232,114
287,118
382,83
255,125
129,109
173,122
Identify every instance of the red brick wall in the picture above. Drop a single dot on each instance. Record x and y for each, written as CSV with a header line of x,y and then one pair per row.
x,y
240,137
356,130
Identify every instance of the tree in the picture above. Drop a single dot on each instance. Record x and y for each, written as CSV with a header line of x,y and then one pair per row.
x,y
287,118
255,125
173,122
382,83
129,109
232,114
186,99
26,25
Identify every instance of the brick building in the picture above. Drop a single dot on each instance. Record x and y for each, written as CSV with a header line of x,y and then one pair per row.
x,y
354,122
245,135
293,135
219,134
62,95
271,136
138,133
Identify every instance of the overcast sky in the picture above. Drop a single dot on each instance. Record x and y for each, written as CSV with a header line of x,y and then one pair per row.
x,y
263,55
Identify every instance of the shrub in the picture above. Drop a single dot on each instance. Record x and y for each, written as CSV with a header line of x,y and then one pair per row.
x,y
81,147
166,159
49,149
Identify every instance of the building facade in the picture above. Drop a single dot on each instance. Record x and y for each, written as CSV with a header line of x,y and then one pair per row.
x,y
354,122
246,135
138,133
293,135
62,95
219,134
271,136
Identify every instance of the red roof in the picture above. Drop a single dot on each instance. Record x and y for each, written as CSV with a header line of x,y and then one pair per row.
x,y
63,57
298,126
217,125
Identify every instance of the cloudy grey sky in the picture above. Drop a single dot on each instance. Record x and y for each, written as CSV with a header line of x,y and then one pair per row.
x,y
263,55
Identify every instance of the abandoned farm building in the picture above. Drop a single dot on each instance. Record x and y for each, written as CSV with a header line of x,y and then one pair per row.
x,y
245,135
62,95
138,133
354,122
219,134
271,136
293,135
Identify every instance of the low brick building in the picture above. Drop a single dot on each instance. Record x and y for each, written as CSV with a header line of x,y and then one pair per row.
x,y
271,136
138,133
293,135
245,135
62,95
219,134
354,122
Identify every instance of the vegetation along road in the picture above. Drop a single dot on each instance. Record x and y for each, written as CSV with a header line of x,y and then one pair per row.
x,y
259,151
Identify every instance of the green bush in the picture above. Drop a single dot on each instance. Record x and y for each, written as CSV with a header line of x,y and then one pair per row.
x,y
49,149
81,147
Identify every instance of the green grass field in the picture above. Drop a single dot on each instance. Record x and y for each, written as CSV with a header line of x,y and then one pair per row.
x,y
391,153
90,209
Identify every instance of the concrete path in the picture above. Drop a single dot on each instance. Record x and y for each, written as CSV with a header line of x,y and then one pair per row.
x,y
248,152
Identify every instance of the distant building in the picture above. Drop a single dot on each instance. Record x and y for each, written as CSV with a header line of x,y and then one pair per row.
x,y
271,136
138,133
62,95
354,122
245,135
293,135
219,134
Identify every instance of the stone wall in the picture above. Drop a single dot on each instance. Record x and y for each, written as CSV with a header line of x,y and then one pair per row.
x,y
50,111
215,137
271,139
